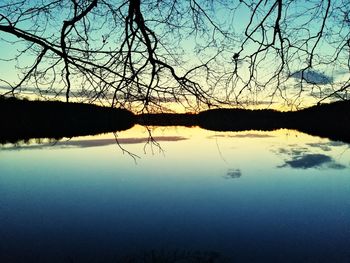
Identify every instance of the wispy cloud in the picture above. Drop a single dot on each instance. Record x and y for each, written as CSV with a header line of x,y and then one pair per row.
x,y
312,77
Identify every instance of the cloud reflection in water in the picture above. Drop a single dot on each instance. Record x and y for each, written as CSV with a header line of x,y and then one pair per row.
x,y
307,161
310,156
244,135
92,143
233,174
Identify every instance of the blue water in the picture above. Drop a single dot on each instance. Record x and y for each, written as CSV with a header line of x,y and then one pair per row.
x,y
250,196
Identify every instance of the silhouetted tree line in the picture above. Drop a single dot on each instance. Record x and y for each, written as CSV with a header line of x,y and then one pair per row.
x,y
54,119
24,119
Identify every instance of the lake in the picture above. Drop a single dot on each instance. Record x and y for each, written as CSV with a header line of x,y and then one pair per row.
x,y
250,196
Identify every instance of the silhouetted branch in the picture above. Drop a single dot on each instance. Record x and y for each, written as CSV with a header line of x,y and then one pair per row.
x,y
132,155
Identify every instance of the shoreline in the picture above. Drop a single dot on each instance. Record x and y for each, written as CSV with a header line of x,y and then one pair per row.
x,y
24,119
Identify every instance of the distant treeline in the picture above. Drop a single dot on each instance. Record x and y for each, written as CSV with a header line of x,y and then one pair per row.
x,y
23,119
326,120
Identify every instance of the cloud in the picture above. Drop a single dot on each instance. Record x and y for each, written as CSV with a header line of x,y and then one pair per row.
x,y
316,160
27,90
341,72
312,77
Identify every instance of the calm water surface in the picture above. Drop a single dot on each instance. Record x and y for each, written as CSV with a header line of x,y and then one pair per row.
x,y
251,196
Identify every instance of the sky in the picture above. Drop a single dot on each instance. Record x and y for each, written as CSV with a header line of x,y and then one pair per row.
x,y
320,76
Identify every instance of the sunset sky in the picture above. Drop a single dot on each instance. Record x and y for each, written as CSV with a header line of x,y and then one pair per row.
x,y
326,74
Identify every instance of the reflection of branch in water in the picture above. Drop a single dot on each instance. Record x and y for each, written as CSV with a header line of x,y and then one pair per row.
x,y
218,147
152,142
340,155
134,156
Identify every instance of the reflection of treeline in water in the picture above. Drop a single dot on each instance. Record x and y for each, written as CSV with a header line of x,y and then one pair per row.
x,y
38,119
23,119
327,120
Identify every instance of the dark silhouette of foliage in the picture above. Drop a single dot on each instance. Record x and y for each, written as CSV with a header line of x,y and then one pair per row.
x,y
39,119
53,119
325,120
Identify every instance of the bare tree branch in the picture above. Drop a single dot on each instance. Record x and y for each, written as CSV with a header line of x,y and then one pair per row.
x,y
146,55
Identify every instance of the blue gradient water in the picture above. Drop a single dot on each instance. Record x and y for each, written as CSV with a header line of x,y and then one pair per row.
x,y
251,196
